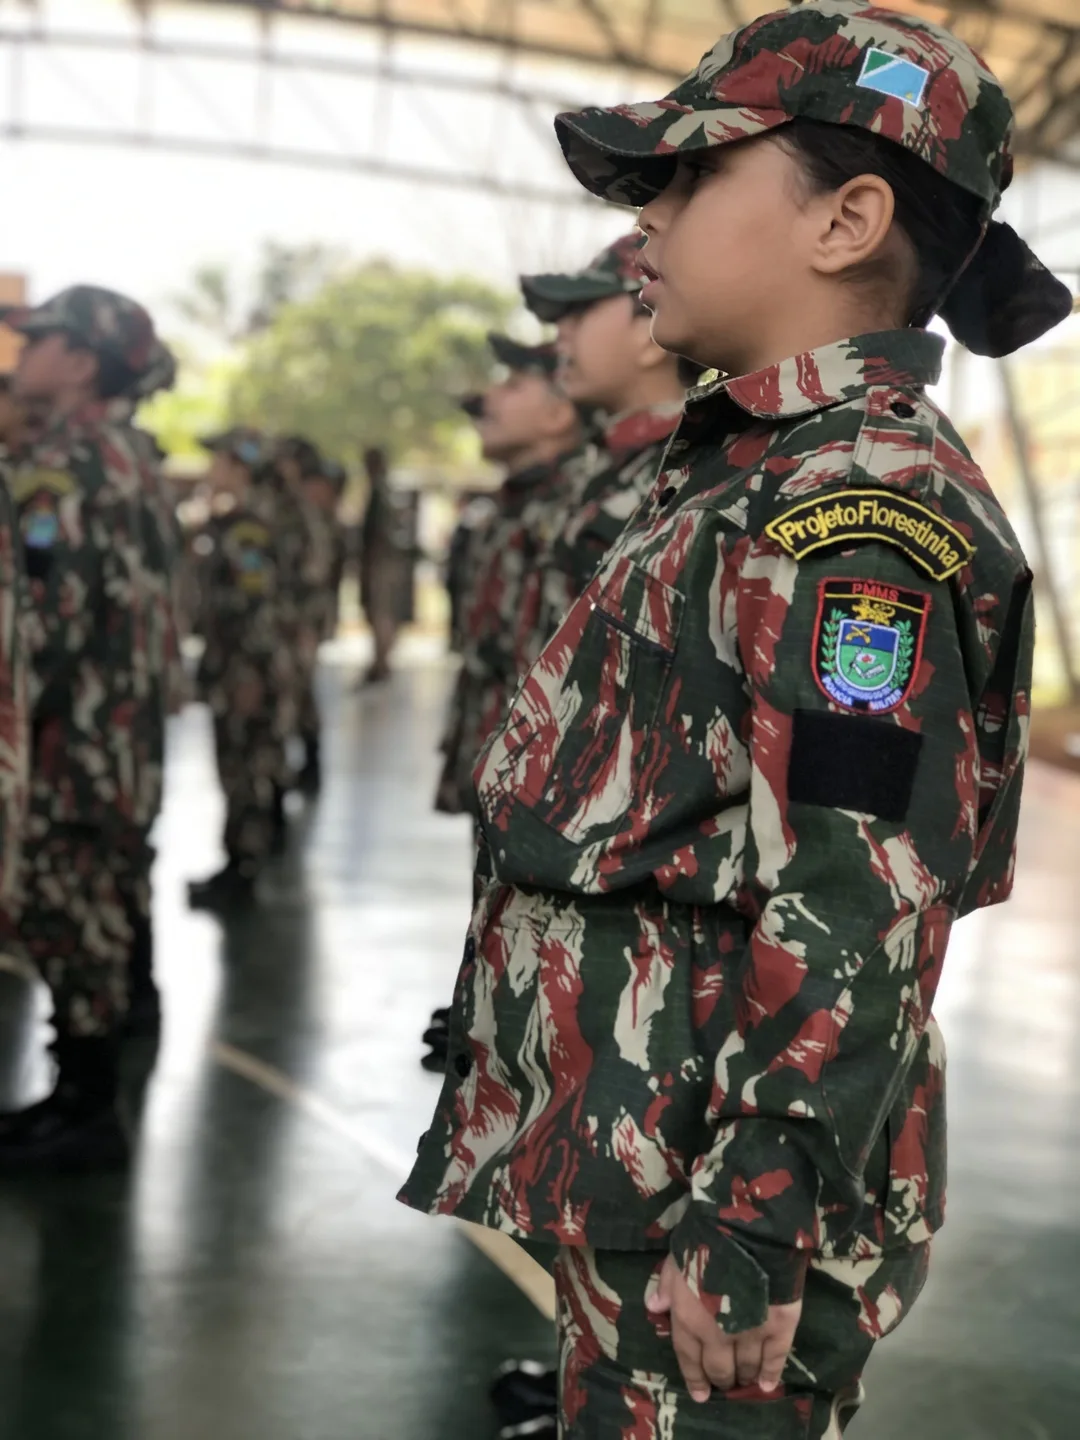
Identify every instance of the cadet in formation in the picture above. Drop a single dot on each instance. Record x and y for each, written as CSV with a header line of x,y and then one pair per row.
x,y
773,751
98,620
247,586
611,367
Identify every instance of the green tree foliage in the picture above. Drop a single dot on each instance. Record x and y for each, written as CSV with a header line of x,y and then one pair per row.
x,y
378,356
216,303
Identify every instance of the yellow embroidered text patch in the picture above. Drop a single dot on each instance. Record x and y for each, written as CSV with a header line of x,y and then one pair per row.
x,y
932,543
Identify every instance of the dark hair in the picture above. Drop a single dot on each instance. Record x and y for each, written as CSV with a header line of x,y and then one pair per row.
x,y
942,221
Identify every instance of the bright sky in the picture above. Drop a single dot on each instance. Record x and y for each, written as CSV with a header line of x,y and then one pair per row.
x,y
141,220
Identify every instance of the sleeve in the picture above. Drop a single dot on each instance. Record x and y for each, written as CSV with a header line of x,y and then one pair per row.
x,y
862,825
69,598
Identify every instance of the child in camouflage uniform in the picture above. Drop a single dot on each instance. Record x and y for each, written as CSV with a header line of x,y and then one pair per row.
x,y
771,755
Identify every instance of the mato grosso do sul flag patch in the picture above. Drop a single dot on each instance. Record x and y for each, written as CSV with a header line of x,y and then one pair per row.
x,y
868,642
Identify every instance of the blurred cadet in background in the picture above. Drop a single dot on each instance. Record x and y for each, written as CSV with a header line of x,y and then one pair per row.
x,y
474,513
386,560
247,674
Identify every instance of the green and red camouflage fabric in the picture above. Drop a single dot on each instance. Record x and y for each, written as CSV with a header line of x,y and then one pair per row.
x,y
842,62
695,1007
103,320
83,518
242,442
16,635
504,557
607,483
615,271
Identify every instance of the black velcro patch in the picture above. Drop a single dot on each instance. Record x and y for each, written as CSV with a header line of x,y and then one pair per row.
x,y
853,762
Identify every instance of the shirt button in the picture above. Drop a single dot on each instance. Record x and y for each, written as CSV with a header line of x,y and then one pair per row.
x,y
902,410
463,1064
667,495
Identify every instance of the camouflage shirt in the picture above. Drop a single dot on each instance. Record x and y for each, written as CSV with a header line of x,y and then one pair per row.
x,y
14,713
80,495
505,556
773,751
609,482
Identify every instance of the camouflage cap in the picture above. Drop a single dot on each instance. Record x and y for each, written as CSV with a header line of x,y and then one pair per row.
x,y
300,449
103,320
613,272
159,374
843,62
537,359
251,447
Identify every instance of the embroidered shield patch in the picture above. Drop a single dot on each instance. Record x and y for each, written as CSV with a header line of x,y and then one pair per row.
x,y
868,643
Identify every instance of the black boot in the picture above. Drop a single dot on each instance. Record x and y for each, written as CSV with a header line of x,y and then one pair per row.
x,y
78,1127
143,1020
230,889
279,832
309,777
524,1391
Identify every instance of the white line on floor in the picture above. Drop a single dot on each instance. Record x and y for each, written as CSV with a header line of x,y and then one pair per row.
x,y
530,1278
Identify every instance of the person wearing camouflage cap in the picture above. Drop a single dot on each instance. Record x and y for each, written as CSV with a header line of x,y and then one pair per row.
x,y
772,753
608,363
526,424
245,614
80,491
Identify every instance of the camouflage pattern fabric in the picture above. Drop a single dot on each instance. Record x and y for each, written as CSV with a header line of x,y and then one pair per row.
x,y
504,554
611,480
619,1374
737,805
15,640
614,271
83,522
247,671
75,927
844,63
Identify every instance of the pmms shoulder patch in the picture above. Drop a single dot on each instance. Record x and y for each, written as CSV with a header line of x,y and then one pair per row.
x,y
868,643
848,516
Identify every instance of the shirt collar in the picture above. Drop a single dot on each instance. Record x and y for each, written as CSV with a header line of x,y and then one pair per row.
x,y
833,374
633,430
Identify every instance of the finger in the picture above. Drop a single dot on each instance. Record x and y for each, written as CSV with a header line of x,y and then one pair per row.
x,y
718,1359
774,1353
661,1298
748,1350
688,1354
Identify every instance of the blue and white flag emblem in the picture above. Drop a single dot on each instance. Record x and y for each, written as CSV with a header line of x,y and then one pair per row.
x,y
895,76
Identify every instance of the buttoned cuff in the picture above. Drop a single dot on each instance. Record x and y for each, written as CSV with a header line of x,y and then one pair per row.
x,y
737,1280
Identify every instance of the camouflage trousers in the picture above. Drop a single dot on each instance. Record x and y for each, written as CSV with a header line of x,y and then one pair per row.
x,y
308,721
137,857
620,1380
75,926
251,766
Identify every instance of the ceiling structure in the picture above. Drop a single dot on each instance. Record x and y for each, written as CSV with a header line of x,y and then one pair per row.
x,y
1033,45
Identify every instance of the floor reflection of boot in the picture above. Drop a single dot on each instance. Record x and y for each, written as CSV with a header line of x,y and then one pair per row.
x,y
78,1127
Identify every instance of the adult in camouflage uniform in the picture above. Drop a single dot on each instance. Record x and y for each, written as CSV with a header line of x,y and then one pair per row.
x,y
528,425
247,673
772,753
610,365
81,495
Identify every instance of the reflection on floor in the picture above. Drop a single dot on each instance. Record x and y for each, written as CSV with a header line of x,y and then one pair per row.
x,y
254,1278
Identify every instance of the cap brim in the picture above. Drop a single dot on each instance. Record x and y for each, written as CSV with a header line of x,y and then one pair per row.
x,y
627,154
472,405
516,356
26,320
550,297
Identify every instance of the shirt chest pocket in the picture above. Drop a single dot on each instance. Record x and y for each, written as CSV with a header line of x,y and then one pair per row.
x,y
582,725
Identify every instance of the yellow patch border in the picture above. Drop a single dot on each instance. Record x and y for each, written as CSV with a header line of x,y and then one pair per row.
x,y
28,483
934,544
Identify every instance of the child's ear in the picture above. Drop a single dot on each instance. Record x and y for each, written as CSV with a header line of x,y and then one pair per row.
x,y
855,222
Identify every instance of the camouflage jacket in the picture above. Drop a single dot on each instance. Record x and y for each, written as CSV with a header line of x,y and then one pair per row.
x,y
83,517
609,482
773,751
504,556
245,609
15,635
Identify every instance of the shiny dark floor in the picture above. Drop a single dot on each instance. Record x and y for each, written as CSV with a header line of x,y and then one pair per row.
x,y
253,1279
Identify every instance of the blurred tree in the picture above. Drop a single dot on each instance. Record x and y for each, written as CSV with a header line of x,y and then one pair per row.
x,y
215,302
378,356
